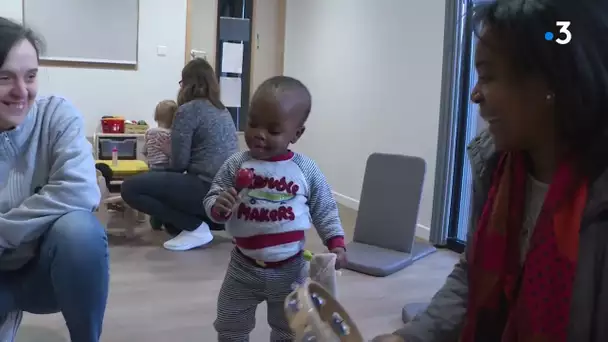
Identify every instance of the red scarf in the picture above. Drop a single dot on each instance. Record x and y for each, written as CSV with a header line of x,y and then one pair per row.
x,y
508,303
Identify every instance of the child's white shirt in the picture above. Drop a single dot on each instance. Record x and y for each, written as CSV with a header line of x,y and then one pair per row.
x,y
288,196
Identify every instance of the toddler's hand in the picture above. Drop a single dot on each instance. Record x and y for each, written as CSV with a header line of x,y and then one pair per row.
x,y
341,259
388,338
225,202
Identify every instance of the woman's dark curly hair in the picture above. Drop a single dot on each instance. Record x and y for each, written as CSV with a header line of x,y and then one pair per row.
x,y
576,72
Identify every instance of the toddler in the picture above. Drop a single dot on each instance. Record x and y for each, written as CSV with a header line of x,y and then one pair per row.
x,y
163,115
268,220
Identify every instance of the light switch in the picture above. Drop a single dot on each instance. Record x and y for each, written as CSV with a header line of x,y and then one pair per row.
x,y
161,50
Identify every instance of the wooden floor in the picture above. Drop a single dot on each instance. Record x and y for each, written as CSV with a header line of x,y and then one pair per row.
x,y
158,295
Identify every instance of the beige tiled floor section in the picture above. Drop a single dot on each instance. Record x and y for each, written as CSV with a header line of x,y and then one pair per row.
x,y
159,296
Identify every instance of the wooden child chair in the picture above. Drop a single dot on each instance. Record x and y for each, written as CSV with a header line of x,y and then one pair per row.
x,y
125,219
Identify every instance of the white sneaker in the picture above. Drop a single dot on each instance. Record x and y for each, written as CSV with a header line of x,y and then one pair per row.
x,y
9,324
188,240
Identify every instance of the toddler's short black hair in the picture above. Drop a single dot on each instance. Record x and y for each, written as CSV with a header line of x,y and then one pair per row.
x,y
284,85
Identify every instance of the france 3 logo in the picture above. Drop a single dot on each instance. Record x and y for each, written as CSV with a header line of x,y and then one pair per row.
x,y
563,36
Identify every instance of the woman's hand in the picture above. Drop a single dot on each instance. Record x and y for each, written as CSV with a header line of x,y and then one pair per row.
x,y
165,144
225,202
388,338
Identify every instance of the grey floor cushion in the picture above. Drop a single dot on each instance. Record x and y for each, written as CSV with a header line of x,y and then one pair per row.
x,y
384,239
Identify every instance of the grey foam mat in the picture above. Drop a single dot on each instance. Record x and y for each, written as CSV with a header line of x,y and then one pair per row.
x,y
384,239
381,262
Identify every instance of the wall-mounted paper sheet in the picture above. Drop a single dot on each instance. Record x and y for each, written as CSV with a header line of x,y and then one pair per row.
x,y
230,91
232,57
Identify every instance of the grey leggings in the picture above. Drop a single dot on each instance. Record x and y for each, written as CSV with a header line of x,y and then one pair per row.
x,y
175,199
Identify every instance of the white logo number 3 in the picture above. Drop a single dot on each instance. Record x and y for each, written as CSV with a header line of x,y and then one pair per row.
x,y
563,29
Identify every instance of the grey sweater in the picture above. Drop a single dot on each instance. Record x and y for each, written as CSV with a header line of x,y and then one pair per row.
x,y
202,138
46,171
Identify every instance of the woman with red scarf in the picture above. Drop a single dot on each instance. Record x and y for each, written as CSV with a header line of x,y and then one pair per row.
x,y
536,265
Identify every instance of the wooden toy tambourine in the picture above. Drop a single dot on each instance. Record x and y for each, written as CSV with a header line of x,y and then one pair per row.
x,y
316,316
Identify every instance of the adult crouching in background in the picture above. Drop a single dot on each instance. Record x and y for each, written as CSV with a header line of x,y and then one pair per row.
x,y
203,137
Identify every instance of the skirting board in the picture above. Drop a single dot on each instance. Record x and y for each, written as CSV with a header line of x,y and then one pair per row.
x,y
422,231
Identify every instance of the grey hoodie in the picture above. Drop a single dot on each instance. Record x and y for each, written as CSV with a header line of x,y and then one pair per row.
x,y
443,320
46,170
203,137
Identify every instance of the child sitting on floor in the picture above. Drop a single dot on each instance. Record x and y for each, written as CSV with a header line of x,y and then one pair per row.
x,y
288,195
163,115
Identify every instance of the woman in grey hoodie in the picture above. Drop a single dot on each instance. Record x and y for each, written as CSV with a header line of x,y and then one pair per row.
x,y
53,251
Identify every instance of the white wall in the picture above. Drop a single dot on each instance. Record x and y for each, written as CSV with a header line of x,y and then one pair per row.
x,y
203,27
133,94
374,70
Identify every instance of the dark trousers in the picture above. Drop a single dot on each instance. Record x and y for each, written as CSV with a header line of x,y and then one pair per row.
x,y
175,199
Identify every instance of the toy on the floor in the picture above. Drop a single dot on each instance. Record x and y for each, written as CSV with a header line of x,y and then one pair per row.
x,y
315,315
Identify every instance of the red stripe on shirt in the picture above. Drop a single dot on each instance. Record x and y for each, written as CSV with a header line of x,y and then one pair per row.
x,y
269,240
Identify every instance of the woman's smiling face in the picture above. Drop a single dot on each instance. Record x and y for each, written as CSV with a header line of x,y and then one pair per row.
x,y
517,106
18,84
